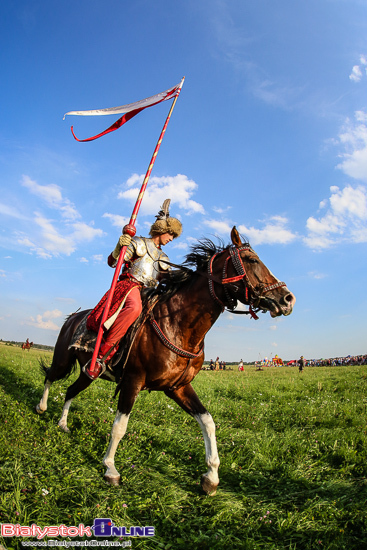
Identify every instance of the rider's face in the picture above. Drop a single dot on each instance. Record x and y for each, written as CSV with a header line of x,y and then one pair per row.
x,y
165,238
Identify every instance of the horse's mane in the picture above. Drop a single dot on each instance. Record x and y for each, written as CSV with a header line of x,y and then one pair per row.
x,y
198,258
201,253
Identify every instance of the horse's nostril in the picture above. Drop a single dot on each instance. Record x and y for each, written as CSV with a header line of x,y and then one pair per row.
x,y
289,298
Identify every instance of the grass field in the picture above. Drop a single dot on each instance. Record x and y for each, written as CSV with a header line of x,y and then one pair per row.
x,y
293,451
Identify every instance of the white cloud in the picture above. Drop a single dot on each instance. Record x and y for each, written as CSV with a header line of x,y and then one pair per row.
x,y
180,245
275,231
354,139
52,195
345,219
10,211
52,243
117,220
84,232
45,321
349,202
32,247
45,236
220,227
273,93
178,188
356,74
316,275
221,210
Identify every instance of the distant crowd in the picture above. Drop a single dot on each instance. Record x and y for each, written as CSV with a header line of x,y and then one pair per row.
x,y
216,365
331,362
277,362
337,361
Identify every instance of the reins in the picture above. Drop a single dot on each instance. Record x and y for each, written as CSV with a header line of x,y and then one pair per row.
x,y
241,276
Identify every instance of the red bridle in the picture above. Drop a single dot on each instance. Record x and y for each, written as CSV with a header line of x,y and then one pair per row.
x,y
258,292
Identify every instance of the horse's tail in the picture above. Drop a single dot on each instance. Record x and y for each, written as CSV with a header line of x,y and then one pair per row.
x,y
43,366
45,369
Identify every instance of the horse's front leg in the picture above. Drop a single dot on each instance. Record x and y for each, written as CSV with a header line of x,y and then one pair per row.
x,y
41,407
189,401
127,396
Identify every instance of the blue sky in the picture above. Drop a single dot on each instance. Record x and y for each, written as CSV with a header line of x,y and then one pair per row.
x,y
269,134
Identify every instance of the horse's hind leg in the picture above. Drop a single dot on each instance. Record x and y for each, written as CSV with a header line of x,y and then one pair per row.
x,y
60,368
82,383
189,401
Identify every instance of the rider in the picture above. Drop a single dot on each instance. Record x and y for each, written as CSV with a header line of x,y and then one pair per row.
x,y
144,261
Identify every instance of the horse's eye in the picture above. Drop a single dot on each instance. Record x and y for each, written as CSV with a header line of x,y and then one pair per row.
x,y
252,260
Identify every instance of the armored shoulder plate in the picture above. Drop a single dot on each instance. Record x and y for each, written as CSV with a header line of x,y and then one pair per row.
x,y
140,245
145,268
163,258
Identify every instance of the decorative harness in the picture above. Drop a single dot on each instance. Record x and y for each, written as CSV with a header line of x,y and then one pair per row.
x,y
258,292
170,344
235,257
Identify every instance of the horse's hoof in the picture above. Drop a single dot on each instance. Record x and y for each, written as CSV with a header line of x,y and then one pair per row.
x,y
208,486
113,480
64,428
38,410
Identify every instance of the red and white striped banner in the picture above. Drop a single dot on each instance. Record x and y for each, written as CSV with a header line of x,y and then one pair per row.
x,y
128,111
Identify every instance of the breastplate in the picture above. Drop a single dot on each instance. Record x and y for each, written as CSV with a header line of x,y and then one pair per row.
x,y
146,267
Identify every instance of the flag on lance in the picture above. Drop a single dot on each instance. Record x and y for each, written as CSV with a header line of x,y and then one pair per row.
x,y
128,111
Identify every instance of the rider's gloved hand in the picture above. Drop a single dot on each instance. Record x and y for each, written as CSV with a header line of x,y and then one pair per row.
x,y
124,240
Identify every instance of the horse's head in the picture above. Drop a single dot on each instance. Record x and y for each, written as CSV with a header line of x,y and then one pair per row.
x,y
245,278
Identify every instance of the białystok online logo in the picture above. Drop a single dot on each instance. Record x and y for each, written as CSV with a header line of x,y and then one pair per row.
x,y
102,527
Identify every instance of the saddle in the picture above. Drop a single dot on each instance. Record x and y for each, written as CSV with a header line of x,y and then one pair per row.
x,y
85,340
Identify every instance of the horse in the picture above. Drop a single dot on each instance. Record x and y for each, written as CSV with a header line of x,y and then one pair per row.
x,y
27,345
168,350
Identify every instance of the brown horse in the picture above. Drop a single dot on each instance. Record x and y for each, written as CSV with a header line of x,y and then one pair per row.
x,y
27,345
167,352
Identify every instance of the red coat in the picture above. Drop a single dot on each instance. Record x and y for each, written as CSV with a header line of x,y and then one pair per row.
x,y
123,286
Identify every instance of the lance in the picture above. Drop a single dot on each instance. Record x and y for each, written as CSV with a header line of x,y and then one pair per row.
x,y
130,229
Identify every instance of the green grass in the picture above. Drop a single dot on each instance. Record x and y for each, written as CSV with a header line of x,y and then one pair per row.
x,y
292,447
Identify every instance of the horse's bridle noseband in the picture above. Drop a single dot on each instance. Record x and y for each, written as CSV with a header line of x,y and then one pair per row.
x,y
257,292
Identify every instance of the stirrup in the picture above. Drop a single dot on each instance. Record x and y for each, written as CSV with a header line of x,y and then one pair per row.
x,y
94,376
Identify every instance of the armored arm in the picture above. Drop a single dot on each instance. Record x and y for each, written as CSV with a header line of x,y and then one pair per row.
x,y
124,240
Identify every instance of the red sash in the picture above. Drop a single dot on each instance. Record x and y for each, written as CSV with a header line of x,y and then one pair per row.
x,y
123,286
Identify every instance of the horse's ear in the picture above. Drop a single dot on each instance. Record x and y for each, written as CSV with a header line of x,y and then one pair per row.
x,y
235,237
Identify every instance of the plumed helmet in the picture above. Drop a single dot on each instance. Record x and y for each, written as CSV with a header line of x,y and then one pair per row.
x,y
164,223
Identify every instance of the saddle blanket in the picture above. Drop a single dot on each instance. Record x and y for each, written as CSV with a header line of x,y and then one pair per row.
x,y
83,338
